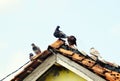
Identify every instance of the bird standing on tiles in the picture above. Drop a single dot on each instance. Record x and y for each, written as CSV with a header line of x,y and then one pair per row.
x,y
35,48
72,41
96,55
31,56
59,34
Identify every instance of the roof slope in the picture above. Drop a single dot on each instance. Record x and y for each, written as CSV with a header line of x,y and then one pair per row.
x,y
60,53
67,63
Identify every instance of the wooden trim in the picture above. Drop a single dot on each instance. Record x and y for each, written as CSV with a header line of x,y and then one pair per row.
x,y
76,68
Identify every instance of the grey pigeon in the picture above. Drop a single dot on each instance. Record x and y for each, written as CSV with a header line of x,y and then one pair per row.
x,y
35,48
59,34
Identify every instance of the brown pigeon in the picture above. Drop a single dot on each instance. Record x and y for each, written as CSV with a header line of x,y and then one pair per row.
x,y
72,40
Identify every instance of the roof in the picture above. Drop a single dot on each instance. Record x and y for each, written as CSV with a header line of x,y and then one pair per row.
x,y
72,59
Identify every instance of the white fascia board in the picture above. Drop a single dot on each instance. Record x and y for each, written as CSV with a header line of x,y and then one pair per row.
x,y
78,69
41,69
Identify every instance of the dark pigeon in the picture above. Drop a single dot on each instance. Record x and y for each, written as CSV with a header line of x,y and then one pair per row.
x,y
59,34
31,56
72,40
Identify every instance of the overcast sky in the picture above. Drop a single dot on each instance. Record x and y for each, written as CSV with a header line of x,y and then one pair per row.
x,y
95,23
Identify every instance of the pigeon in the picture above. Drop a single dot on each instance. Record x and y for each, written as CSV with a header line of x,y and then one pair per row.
x,y
94,52
31,56
35,48
59,34
72,40
96,55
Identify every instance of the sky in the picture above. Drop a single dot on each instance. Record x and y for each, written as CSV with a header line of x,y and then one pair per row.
x,y
95,23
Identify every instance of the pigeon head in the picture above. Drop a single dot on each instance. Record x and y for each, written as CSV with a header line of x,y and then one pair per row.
x,y
57,27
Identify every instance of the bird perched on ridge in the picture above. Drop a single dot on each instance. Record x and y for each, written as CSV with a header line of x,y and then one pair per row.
x,y
96,55
94,52
59,34
72,40
35,48
31,56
